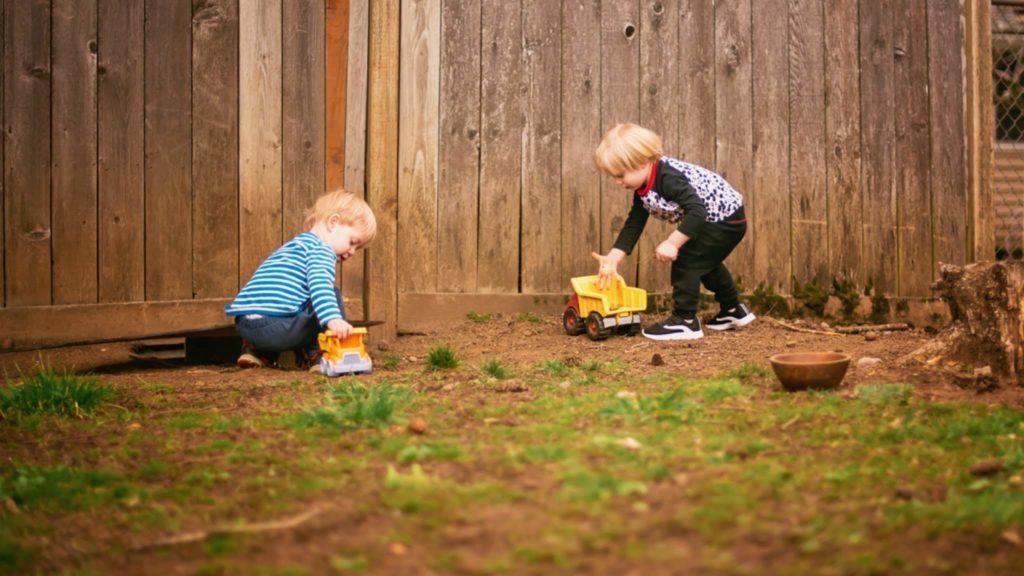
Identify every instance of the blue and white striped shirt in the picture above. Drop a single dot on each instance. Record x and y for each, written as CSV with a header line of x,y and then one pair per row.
x,y
299,272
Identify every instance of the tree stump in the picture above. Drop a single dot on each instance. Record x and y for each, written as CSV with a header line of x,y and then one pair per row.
x,y
985,333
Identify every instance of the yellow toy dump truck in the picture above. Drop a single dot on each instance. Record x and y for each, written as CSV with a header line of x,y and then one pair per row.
x,y
600,312
344,355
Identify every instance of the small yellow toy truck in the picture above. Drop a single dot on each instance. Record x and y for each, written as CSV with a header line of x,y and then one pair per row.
x,y
600,312
344,355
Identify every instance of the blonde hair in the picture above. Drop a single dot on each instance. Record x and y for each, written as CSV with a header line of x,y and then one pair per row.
x,y
626,147
350,209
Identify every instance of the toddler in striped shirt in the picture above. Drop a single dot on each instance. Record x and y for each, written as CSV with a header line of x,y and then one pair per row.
x,y
291,297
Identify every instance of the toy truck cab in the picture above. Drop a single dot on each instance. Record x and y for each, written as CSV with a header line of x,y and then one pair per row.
x,y
599,312
344,355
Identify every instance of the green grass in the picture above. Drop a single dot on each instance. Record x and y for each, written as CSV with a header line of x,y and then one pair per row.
x,y
528,317
355,406
47,391
442,358
62,488
478,318
495,369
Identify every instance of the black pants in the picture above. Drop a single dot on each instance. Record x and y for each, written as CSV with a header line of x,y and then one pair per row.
x,y
700,261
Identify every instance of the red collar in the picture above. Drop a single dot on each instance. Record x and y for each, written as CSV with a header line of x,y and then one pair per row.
x,y
650,180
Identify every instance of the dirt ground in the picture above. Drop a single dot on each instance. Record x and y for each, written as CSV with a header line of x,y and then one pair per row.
x,y
517,342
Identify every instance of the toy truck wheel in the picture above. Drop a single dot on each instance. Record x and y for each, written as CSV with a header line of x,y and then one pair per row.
x,y
572,322
595,327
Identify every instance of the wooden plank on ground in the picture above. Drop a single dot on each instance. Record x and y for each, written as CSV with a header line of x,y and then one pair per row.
x,y
354,271
620,102
501,96
419,92
842,125
168,135
382,164
73,177
541,257
733,119
581,131
121,145
303,108
697,82
807,132
47,325
914,233
259,133
215,148
459,153
878,144
659,110
948,150
335,88
27,152
769,214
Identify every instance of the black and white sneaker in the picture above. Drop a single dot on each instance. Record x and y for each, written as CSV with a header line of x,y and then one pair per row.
x,y
675,328
736,317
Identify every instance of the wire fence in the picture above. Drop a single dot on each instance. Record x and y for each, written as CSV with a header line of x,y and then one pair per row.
x,y
1008,96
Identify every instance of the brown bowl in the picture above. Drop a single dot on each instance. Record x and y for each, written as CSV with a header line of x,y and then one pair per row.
x,y
810,370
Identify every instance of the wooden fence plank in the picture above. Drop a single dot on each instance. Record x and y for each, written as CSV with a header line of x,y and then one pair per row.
x,y
697,82
500,150
27,84
581,131
459,154
734,155
980,130
914,234
168,135
842,125
215,117
336,28
382,164
948,150
878,141
541,255
659,110
303,109
259,133
620,102
807,132
73,176
3,189
418,144
769,213
121,143
354,271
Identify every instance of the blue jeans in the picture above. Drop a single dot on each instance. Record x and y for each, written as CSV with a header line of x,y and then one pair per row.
x,y
270,335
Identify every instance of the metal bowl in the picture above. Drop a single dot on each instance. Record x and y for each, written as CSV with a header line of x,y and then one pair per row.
x,y
810,370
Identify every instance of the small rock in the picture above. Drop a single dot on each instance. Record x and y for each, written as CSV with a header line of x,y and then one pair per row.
x,y
383,346
134,426
11,506
871,336
564,384
397,549
417,426
825,326
1012,536
868,362
625,394
511,386
904,494
657,360
790,344
630,443
987,467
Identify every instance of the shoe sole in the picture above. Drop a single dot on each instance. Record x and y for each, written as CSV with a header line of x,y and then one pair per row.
x,y
677,336
248,361
745,321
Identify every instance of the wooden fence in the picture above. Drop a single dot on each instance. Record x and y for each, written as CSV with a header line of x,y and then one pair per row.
x,y
155,151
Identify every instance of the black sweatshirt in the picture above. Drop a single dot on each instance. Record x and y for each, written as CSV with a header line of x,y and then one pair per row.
x,y
684,194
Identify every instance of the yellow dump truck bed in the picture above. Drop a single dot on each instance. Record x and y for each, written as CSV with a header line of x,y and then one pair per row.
x,y
616,300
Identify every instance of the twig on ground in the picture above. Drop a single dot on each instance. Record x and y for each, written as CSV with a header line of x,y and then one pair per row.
x,y
804,330
873,328
200,535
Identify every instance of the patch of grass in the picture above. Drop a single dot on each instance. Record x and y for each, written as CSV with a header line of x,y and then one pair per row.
x,y
390,361
356,406
884,393
592,486
715,391
495,369
670,406
478,318
766,302
187,420
527,317
49,392
11,554
353,564
750,370
428,451
554,367
63,488
442,358
812,296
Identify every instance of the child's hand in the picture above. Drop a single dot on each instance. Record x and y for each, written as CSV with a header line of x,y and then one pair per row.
x,y
666,252
606,271
340,328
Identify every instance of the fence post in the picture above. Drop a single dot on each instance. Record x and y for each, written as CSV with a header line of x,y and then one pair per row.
x,y
980,128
